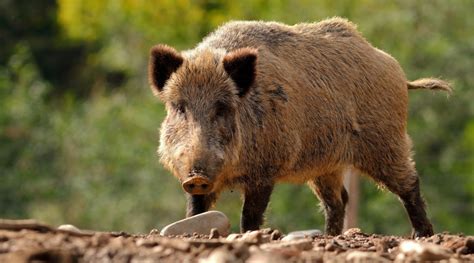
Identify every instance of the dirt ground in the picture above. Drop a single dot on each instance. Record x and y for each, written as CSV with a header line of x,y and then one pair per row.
x,y
28,241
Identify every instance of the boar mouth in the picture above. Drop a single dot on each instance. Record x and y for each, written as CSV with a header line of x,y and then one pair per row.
x,y
198,185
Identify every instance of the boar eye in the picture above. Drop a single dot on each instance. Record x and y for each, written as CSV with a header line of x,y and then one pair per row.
x,y
221,109
180,107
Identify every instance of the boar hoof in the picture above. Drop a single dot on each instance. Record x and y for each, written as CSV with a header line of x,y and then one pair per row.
x,y
198,185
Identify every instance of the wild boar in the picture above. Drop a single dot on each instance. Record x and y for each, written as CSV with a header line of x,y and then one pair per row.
x,y
257,103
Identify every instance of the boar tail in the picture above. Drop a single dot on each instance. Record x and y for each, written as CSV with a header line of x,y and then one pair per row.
x,y
431,84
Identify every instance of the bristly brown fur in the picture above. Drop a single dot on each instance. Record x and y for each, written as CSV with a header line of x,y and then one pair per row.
x,y
256,103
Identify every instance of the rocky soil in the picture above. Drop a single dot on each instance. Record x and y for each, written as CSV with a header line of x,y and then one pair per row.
x,y
29,241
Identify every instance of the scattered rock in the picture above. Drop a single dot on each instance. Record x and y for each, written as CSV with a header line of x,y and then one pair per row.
x,y
437,239
385,244
468,248
275,235
220,255
254,249
200,224
333,245
269,234
30,224
265,238
352,232
241,250
154,231
69,228
146,243
214,233
302,244
233,237
206,243
361,257
252,237
411,250
18,244
174,243
266,257
454,244
295,235
267,230
255,237
100,239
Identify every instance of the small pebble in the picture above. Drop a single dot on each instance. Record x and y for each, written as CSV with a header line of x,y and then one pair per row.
x,y
220,255
233,237
69,228
154,232
267,231
302,244
295,235
352,231
252,237
422,251
468,248
329,247
333,246
275,235
214,233
437,239
265,257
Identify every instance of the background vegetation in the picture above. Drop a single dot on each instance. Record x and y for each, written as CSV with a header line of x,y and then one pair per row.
x,y
78,124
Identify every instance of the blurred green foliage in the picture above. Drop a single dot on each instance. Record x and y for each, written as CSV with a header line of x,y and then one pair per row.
x,y
78,125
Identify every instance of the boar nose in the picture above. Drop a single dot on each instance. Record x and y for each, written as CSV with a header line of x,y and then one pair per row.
x,y
198,185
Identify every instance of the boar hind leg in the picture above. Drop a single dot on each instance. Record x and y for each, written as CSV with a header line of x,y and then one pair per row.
x,y
408,191
402,180
330,190
415,206
199,203
256,199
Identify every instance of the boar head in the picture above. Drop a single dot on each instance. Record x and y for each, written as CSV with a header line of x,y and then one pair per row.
x,y
203,93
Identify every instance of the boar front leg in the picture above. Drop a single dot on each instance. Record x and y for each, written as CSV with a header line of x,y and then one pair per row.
x,y
330,190
199,203
256,199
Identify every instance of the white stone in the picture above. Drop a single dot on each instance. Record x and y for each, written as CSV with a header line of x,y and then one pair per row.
x,y
200,224
409,247
70,228
295,235
422,251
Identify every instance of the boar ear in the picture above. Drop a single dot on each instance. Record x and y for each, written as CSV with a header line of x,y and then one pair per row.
x,y
241,67
164,60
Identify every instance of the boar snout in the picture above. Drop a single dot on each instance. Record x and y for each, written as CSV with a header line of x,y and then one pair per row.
x,y
198,185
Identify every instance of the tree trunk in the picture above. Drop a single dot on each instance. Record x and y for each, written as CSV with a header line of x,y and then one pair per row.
x,y
351,182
